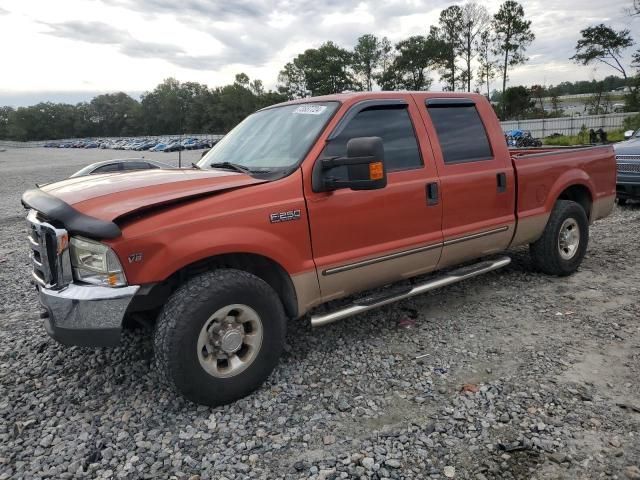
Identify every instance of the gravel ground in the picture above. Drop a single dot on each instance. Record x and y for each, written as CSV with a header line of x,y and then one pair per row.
x,y
514,375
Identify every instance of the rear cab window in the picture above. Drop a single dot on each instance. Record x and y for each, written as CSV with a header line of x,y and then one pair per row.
x,y
461,133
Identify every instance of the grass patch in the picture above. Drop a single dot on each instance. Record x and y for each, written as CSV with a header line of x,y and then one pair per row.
x,y
580,139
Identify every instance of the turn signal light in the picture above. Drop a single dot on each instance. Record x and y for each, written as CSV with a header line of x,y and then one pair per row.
x,y
376,171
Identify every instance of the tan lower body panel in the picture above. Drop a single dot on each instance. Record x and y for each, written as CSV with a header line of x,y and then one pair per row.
x,y
465,248
529,229
386,270
602,207
307,291
341,281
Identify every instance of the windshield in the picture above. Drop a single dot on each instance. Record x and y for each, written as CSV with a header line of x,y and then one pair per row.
x,y
273,139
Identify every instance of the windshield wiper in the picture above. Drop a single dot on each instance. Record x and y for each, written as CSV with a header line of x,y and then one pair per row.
x,y
232,166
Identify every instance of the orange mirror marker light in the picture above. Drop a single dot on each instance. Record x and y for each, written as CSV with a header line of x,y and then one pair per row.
x,y
376,171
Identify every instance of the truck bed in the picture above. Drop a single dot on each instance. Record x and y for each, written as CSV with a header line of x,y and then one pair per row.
x,y
541,174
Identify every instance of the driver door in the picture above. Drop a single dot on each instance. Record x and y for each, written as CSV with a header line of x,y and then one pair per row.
x,y
364,239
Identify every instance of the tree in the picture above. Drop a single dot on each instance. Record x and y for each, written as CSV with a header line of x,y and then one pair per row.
x,y
386,56
5,119
513,36
603,44
366,58
475,21
487,65
291,81
415,56
171,108
556,111
114,114
257,87
162,109
539,92
242,79
320,71
449,33
516,102
599,102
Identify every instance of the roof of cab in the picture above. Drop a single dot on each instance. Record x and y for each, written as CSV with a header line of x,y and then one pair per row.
x,y
343,97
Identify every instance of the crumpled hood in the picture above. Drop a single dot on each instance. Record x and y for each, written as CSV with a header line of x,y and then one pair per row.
x,y
110,196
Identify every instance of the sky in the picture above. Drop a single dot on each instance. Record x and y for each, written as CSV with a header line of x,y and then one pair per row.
x,y
72,50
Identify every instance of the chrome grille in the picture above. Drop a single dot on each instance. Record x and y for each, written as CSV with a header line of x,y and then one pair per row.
x,y
628,157
629,167
49,252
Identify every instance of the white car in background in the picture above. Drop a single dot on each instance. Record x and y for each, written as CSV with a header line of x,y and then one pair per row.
x,y
119,165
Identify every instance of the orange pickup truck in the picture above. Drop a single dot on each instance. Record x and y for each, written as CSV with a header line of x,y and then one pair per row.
x,y
303,203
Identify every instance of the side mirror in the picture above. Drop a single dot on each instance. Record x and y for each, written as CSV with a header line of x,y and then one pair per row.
x,y
362,169
628,134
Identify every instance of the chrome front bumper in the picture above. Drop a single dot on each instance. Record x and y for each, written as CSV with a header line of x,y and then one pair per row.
x,y
85,315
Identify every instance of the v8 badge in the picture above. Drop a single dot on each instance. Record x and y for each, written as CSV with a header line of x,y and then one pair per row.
x,y
135,257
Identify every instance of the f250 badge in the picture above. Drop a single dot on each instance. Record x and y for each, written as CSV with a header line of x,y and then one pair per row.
x,y
284,216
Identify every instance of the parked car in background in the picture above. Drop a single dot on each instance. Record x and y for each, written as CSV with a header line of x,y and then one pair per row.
x,y
158,148
139,144
628,165
174,147
119,165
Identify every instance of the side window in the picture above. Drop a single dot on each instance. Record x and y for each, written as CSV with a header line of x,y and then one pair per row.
x,y
108,168
461,133
135,166
393,125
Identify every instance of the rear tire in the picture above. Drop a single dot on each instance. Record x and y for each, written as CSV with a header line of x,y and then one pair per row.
x,y
219,336
562,246
622,202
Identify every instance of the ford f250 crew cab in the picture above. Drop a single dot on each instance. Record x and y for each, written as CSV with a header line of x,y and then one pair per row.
x,y
301,204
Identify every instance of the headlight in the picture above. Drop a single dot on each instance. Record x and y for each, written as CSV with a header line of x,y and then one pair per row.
x,y
95,263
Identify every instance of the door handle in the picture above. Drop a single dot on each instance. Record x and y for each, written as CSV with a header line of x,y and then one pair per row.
x,y
432,193
501,179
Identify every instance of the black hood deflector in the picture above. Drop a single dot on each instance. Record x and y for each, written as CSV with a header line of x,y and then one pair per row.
x,y
74,222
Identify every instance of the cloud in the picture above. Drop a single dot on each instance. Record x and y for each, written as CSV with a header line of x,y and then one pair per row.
x,y
103,34
90,32
139,49
211,40
4,12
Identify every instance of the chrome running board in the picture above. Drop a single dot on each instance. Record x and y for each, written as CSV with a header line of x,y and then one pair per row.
x,y
369,303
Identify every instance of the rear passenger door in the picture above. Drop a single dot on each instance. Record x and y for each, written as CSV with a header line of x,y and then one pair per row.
x,y
363,239
477,180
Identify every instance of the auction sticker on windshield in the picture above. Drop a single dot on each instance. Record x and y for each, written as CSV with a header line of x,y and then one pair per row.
x,y
310,109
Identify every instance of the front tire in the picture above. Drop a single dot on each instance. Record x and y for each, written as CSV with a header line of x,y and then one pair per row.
x,y
219,336
562,246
